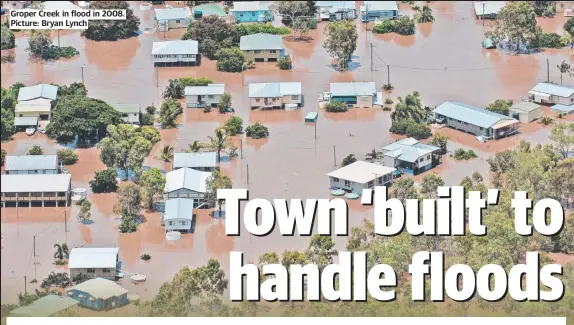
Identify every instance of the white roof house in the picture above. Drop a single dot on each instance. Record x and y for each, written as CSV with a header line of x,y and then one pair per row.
x,y
408,149
194,160
93,257
276,89
175,47
42,94
186,178
261,41
380,6
178,209
552,89
352,88
488,8
50,5
250,5
31,162
172,14
211,89
361,172
35,183
100,288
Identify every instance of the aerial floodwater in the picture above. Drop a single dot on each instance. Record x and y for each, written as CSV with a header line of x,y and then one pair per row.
x,y
443,61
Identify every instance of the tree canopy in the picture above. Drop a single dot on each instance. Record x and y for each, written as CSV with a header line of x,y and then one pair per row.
x,y
112,30
213,34
500,106
341,41
516,24
81,116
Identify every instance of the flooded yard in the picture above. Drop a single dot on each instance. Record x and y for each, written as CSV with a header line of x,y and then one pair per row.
x,y
444,61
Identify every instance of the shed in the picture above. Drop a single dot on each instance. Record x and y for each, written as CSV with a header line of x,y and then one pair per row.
x,y
99,294
311,117
50,305
487,43
178,215
201,161
564,109
548,93
525,112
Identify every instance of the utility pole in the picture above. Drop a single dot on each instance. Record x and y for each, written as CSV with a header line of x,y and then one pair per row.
x,y
248,177
241,147
83,76
483,14
388,74
334,156
156,78
371,57
58,38
315,130
66,225
547,70
25,285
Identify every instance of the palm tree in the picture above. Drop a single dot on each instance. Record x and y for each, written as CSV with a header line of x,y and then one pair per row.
x,y
373,155
564,67
196,146
167,153
348,160
423,15
410,108
174,89
219,141
62,251
56,279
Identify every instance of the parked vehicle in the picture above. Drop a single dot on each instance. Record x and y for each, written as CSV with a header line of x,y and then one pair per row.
x,y
43,131
30,131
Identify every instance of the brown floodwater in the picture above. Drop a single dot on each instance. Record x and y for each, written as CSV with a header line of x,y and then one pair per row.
x,y
443,61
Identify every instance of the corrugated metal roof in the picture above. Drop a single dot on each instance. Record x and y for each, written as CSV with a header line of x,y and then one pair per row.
x,y
35,183
172,13
408,149
45,306
336,4
194,159
488,8
100,288
59,5
261,41
211,89
178,209
276,89
39,91
127,108
31,162
187,178
93,257
352,88
563,108
250,5
175,47
525,106
553,89
26,121
361,172
469,114
26,108
379,6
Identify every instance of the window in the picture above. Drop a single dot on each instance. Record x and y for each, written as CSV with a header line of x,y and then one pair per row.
x,y
370,184
170,223
295,97
335,179
257,51
211,97
428,157
91,270
183,223
272,51
421,160
178,21
20,115
347,183
106,270
257,100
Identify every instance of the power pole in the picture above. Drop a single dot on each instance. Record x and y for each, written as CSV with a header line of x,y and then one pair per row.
x,y
388,74
334,156
66,225
547,70
241,147
83,76
25,285
156,78
247,176
315,130
371,57
483,14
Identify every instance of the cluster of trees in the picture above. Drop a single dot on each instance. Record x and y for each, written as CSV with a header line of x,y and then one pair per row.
x,y
7,40
405,25
36,150
234,125
441,141
500,106
176,87
410,117
285,63
257,131
40,45
299,15
8,101
112,30
335,107
341,41
250,29
461,154
67,156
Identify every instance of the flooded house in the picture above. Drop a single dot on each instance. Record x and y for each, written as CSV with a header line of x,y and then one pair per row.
x,y
411,156
131,113
23,123
251,11
562,6
99,294
178,215
475,120
275,95
31,164
525,112
170,18
262,47
51,305
353,94
200,161
379,10
94,262
563,109
36,189
547,93
186,183
336,10
203,96
36,102
488,9
360,175
180,52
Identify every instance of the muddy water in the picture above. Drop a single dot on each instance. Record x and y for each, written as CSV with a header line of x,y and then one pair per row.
x,y
443,61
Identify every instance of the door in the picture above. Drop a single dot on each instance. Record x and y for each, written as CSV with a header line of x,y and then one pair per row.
x,y
266,101
259,60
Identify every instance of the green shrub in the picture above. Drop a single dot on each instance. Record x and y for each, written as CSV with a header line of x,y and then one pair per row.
x,y
402,26
149,133
387,108
285,63
147,119
150,109
388,101
230,60
36,151
190,81
8,40
67,156
104,181
386,26
234,125
411,129
257,131
128,225
336,107
249,29
145,257
461,154
550,40
388,87
546,120
54,52
3,156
